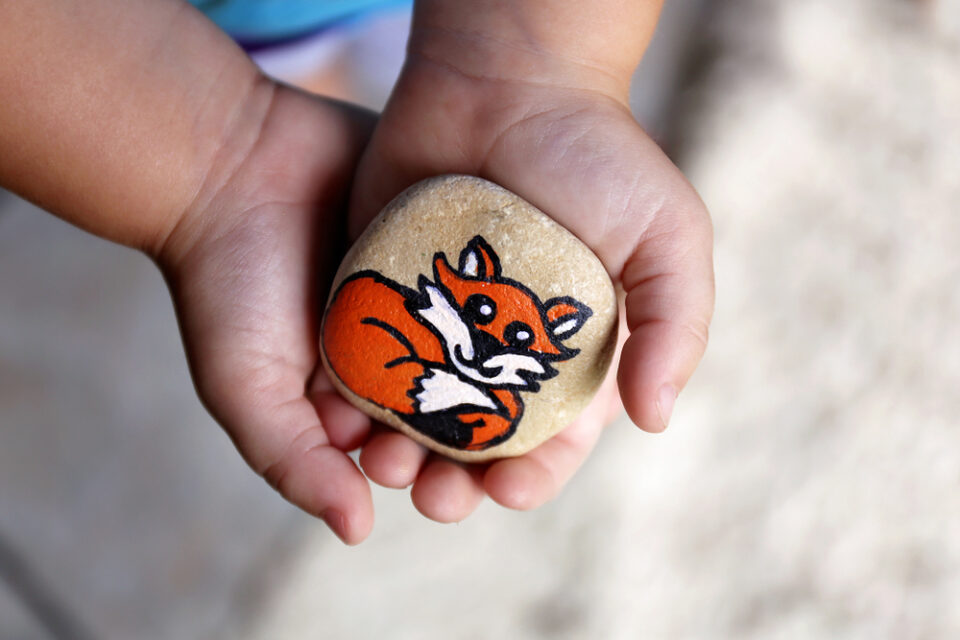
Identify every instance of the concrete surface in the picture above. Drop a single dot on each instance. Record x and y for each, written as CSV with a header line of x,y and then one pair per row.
x,y
17,622
129,503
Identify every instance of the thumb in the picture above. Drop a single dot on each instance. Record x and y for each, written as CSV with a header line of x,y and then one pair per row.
x,y
669,284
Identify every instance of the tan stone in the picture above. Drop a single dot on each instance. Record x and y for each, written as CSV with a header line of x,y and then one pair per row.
x,y
431,339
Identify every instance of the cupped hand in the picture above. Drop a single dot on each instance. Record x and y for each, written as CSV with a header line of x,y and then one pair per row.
x,y
249,266
578,155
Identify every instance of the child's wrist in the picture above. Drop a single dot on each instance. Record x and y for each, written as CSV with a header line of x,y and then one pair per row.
x,y
591,47
229,145
479,58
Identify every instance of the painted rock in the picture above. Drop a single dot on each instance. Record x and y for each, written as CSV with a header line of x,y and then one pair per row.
x,y
469,320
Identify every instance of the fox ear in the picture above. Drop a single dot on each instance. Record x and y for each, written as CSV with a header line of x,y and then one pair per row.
x,y
478,261
565,316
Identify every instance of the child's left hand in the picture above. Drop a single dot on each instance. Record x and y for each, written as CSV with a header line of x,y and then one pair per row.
x,y
249,266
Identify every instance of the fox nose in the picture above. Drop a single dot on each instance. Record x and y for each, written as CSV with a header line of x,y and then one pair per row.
x,y
485,345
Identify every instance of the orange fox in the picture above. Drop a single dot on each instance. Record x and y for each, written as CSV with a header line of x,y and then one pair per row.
x,y
450,358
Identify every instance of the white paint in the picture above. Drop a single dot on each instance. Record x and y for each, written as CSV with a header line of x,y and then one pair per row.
x,y
512,364
446,320
443,390
565,327
471,266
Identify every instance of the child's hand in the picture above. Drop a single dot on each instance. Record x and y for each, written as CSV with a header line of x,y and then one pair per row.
x,y
251,272
249,267
563,138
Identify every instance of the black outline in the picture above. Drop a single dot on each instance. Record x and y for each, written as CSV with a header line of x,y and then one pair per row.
x,y
477,243
582,314
443,426
399,337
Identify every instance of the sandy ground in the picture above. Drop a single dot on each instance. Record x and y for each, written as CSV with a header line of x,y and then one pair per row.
x,y
809,485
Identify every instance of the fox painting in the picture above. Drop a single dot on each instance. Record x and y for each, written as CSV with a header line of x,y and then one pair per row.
x,y
451,357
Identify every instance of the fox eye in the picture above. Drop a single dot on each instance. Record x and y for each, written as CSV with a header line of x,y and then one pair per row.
x,y
480,309
518,334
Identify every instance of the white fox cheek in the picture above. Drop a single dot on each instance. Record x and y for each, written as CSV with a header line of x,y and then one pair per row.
x,y
446,320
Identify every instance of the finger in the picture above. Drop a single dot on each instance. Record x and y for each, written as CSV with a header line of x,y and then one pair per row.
x,y
530,480
446,491
391,459
280,434
311,473
669,303
347,427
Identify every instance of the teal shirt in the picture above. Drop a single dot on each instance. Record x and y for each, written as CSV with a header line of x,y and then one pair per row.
x,y
254,22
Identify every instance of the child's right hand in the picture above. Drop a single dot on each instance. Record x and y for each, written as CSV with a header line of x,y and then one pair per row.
x,y
560,134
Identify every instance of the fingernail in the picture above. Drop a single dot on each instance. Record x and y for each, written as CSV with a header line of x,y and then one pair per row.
x,y
665,399
336,522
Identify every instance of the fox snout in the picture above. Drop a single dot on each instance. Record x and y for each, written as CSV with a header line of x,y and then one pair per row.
x,y
488,351
495,363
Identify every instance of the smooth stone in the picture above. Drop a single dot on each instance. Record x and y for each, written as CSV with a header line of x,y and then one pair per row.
x,y
469,320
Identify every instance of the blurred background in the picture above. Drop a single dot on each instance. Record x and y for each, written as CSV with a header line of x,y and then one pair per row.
x,y
809,484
